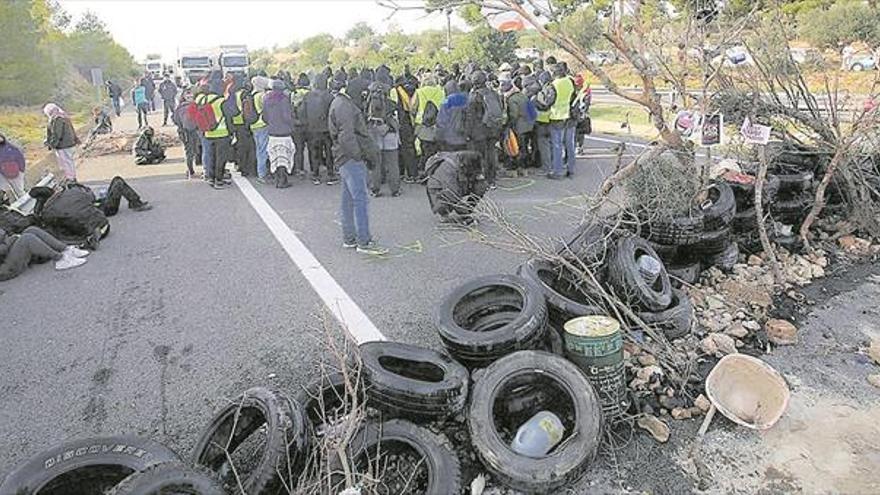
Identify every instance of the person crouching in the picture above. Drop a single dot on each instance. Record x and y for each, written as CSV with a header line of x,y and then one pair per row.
x,y
278,115
455,184
147,149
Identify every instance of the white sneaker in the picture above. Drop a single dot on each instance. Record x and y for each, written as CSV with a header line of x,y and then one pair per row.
x,y
67,261
77,252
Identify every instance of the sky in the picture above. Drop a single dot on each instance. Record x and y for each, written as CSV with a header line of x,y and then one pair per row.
x,y
164,26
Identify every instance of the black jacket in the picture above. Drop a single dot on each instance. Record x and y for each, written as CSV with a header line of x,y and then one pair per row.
x,y
60,134
317,106
168,90
348,130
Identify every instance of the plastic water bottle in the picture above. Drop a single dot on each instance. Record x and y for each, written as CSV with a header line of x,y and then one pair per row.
x,y
649,268
538,435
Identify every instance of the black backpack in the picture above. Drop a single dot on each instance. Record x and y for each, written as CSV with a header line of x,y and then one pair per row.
x,y
377,103
493,109
249,109
429,116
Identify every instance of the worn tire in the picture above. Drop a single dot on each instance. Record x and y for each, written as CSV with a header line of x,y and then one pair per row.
x,y
792,181
711,243
91,465
745,193
666,253
676,320
587,242
688,273
412,381
745,221
444,468
682,231
569,460
725,260
170,478
722,208
286,437
329,390
624,276
490,317
564,302
792,210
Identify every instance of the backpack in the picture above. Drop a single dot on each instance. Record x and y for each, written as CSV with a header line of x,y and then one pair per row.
x,y
545,98
377,103
249,109
429,116
182,116
493,110
202,114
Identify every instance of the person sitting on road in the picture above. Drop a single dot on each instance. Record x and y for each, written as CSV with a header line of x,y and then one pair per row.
x,y
103,124
147,149
35,245
456,184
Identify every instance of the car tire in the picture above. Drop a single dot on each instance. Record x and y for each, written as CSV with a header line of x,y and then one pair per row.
x,y
444,468
676,320
91,465
726,259
564,302
745,221
666,253
412,381
490,317
744,194
627,281
682,231
722,208
793,210
793,181
570,459
170,478
287,439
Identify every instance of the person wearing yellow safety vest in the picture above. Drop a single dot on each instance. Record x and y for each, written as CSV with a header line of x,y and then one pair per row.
x,y
258,128
245,149
542,95
561,132
429,93
216,143
300,124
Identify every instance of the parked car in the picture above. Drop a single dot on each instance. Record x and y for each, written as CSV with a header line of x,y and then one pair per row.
x,y
602,58
805,55
860,63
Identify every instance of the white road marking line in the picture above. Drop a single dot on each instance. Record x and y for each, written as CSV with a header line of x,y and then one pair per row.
x,y
344,309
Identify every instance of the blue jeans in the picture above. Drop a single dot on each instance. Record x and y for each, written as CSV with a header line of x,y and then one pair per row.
x,y
261,140
569,144
355,223
207,157
562,140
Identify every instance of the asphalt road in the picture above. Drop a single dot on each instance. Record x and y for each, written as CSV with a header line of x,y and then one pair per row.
x,y
187,305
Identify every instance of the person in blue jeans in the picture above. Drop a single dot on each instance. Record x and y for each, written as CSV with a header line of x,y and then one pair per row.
x,y
353,149
562,134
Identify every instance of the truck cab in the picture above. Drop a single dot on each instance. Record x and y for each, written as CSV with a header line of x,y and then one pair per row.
x,y
193,67
234,59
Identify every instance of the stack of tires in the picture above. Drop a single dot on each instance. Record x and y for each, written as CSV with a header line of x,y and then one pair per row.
x,y
700,239
795,195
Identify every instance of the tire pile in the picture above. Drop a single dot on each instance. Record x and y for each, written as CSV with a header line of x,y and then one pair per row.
x,y
700,239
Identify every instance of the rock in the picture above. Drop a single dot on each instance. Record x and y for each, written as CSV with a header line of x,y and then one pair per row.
x,y
681,413
874,380
703,403
657,428
715,302
695,411
632,349
637,383
737,330
874,351
724,343
647,360
755,260
781,332
751,325
854,244
708,345
648,371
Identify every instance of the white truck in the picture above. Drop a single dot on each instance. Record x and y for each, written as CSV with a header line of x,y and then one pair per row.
x,y
194,65
234,59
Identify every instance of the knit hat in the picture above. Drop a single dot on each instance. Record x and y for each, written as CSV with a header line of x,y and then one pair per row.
x,y
278,85
261,83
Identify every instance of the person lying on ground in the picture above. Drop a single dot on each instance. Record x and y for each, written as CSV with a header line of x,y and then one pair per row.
x,y
35,245
147,149
13,221
455,184
108,199
11,168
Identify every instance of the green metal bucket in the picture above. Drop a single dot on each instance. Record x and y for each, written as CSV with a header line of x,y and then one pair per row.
x,y
595,344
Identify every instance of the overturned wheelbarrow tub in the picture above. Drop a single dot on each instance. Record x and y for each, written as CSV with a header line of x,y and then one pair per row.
x,y
493,424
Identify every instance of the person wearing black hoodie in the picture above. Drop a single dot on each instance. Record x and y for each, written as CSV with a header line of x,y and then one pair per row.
x,y
481,137
317,105
450,119
300,124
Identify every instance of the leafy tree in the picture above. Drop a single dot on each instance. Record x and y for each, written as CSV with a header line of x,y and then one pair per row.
x,y
339,57
316,50
26,77
845,22
90,23
359,31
